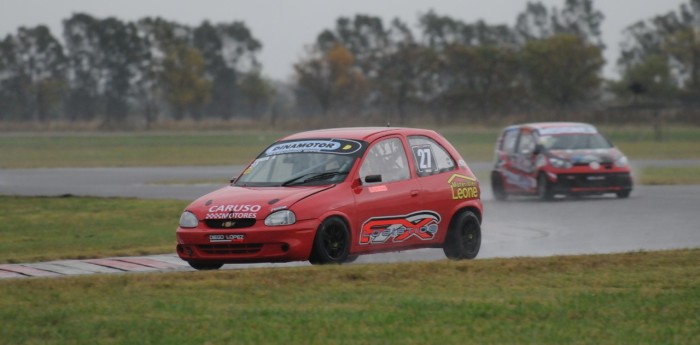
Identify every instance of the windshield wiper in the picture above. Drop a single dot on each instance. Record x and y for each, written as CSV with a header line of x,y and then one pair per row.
x,y
316,177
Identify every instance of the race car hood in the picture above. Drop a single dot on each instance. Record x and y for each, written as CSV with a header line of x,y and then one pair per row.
x,y
588,156
249,202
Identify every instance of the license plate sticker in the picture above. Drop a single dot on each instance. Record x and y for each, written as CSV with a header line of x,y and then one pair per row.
x,y
233,238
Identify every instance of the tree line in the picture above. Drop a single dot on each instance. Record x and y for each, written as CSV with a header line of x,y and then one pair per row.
x,y
551,59
113,69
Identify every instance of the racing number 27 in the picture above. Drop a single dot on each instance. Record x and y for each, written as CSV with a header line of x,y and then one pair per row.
x,y
424,159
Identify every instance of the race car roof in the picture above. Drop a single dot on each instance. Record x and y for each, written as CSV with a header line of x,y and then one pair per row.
x,y
357,133
550,128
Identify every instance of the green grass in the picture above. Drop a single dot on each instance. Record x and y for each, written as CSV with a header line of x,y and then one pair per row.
x,y
40,229
474,144
679,142
132,149
239,147
670,175
633,298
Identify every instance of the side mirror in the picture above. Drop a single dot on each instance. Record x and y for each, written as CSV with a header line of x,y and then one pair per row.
x,y
233,180
538,149
373,178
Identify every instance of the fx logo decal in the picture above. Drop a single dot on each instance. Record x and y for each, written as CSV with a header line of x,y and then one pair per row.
x,y
422,224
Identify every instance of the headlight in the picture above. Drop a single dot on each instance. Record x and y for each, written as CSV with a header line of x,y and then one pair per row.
x,y
188,220
621,162
559,163
283,217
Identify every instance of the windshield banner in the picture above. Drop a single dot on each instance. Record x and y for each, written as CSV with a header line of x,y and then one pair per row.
x,y
568,130
337,146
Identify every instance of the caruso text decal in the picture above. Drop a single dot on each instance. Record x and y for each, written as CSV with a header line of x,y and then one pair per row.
x,y
233,211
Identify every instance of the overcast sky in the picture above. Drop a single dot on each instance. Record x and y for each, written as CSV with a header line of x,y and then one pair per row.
x,y
285,26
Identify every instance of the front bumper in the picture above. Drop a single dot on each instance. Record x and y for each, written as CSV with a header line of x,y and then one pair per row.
x,y
259,243
592,183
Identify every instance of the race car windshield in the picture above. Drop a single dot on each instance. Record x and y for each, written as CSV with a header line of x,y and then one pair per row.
x,y
302,162
575,142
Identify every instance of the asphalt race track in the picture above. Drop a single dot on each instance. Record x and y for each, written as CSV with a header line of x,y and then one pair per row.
x,y
652,218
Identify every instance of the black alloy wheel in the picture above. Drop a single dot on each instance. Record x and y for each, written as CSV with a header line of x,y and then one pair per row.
x,y
463,239
332,242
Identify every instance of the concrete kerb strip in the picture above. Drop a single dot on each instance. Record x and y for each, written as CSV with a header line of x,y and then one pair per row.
x,y
87,267
28,271
155,263
56,268
152,263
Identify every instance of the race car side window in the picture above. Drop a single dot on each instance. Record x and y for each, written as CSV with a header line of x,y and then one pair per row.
x,y
509,139
430,157
526,144
386,158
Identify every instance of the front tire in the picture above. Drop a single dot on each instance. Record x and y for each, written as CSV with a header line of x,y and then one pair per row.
x,y
205,266
463,239
332,243
544,188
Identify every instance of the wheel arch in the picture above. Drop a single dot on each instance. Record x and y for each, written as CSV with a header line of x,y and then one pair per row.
x,y
473,209
344,218
319,250
496,172
453,245
543,171
474,205
340,216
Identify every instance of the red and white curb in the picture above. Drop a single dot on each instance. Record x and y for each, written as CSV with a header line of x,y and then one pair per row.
x,y
151,263
154,263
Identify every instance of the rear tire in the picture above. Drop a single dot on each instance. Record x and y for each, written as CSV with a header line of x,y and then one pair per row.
x,y
332,243
463,239
205,266
499,192
351,259
623,194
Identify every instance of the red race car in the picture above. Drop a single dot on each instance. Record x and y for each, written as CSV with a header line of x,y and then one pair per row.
x,y
550,158
327,196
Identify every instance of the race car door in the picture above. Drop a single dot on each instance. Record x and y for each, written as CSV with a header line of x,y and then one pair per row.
x,y
385,205
436,171
520,170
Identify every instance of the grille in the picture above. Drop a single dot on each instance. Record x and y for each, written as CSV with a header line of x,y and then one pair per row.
x,y
595,181
603,165
230,223
229,249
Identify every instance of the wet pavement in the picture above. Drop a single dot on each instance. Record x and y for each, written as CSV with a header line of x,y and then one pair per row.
x,y
653,218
